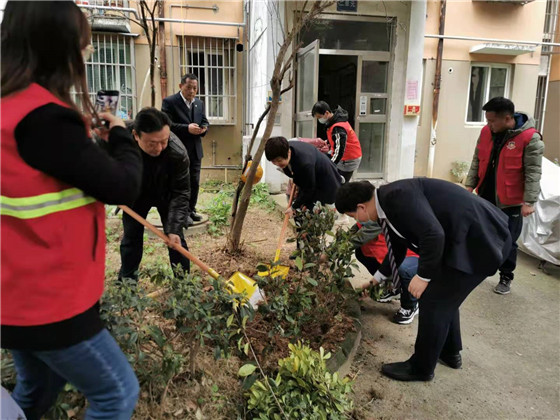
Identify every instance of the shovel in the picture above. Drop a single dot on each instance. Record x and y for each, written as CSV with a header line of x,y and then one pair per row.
x,y
280,270
238,282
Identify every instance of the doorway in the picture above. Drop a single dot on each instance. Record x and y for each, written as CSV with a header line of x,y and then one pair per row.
x,y
337,86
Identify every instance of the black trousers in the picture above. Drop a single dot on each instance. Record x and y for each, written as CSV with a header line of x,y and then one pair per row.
x,y
194,168
346,175
132,244
515,224
439,329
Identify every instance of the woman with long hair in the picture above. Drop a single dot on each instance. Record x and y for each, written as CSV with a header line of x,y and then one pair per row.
x,y
54,180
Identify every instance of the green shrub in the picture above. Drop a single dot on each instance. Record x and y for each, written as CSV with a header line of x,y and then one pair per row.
x,y
219,212
303,388
261,197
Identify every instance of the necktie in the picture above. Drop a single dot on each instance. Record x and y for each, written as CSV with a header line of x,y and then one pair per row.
x,y
394,268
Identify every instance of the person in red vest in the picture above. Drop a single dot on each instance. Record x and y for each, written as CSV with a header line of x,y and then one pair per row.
x,y
370,250
345,150
54,180
506,171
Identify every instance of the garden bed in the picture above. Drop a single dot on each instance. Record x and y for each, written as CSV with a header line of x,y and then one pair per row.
x,y
180,379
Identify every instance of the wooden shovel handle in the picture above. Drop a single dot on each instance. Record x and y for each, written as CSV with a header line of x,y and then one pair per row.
x,y
165,238
284,226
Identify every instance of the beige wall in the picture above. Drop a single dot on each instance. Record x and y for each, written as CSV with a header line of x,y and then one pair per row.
x,y
551,129
455,138
500,20
223,140
485,19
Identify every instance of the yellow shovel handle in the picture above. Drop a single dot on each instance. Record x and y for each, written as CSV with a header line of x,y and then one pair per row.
x,y
165,238
284,226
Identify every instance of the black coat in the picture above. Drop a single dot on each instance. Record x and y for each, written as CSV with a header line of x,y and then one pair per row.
x,y
180,115
314,174
166,183
446,225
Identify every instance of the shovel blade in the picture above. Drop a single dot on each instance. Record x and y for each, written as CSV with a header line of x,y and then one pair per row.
x,y
242,284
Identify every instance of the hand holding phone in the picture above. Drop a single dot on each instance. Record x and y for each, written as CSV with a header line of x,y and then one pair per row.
x,y
106,101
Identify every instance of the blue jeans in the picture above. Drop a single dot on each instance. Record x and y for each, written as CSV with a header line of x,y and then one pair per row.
x,y
407,270
96,367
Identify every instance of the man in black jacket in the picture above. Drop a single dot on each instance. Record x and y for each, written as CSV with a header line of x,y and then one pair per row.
x,y
460,239
189,123
314,174
165,185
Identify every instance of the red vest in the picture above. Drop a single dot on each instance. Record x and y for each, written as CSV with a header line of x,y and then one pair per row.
x,y
377,249
52,236
510,177
353,149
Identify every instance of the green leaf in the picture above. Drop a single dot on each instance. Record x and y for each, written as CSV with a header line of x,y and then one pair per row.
x,y
299,263
246,370
230,320
312,281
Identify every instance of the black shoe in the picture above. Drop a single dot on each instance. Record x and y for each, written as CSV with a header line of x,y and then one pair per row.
x,y
453,361
404,371
405,316
504,286
190,221
196,217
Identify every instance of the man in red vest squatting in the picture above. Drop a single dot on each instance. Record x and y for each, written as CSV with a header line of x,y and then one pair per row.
x,y
506,170
345,150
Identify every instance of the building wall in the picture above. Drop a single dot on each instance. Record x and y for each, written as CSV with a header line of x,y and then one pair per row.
x,y
394,160
222,144
551,129
456,139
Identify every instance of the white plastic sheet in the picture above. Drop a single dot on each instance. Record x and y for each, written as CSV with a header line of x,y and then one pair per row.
x,y
540,236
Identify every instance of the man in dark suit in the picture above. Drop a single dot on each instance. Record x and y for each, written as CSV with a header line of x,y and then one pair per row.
x,y
460,239
189,123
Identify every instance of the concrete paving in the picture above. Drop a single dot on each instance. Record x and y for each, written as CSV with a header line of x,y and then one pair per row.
x,y
511,354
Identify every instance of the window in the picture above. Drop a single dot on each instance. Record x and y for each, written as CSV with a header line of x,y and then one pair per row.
x,y
213,61
486,82
111,67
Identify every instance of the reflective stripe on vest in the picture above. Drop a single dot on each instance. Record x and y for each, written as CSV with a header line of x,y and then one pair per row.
x,y
44,204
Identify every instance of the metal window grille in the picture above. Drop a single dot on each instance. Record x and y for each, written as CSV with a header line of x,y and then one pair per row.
x,y
111,67
214,62
539,103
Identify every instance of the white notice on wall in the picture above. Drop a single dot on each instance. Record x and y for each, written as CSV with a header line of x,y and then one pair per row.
x,y
412,90
363,105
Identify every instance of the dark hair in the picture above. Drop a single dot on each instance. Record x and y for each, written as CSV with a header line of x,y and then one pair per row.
x,y
349,195
150,120
276,147
191,76
320,108
42,42
499,105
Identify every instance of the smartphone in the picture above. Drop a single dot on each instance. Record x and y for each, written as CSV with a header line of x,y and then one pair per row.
x,y
107,101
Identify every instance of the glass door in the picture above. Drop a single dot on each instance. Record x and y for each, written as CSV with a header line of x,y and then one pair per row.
x,y
307,89
372,105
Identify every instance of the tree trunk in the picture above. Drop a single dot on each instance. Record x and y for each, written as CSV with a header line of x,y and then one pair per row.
x,y
234,238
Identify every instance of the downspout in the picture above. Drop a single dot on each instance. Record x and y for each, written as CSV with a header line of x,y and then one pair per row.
x,y
162,54
437,86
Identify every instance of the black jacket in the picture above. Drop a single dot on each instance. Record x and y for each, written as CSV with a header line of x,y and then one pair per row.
x,y
446,225
181,117
314,174
166,183
339,134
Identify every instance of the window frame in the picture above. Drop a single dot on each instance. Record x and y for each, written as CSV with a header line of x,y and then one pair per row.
x,y
507,88
108,39
194,45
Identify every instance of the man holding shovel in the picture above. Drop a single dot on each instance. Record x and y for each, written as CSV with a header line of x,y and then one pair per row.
x,y
165,185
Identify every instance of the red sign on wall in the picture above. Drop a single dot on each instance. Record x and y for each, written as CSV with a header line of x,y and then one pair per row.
x,y
412,110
